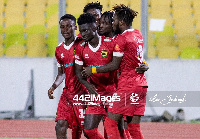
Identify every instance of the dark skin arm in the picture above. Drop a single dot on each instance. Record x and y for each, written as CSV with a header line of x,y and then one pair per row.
x,y
59,79
114,65
90,87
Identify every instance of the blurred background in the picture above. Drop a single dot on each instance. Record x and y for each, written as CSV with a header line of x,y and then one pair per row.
x,y
29,34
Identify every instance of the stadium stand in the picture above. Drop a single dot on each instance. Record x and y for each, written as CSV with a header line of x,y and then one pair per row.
x,y
190,53
135,5
15,51
168,52
187,41
35,19
35,28
52,40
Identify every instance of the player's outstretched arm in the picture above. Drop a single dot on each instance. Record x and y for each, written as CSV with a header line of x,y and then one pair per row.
x,y
82,79
59,79
114,65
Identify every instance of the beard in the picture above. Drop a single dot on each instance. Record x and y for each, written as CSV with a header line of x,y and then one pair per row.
x,y
117,30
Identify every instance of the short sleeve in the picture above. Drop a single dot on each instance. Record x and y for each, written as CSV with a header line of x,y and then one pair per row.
x,y
78,55
59,62
119,46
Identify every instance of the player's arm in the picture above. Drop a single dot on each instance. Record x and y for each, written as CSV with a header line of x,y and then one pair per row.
x,y
114,65
59,79
90,87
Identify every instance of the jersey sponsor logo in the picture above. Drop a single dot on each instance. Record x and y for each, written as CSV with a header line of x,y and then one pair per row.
x,y
86,56
107,40
104,53
68,65
82,44
62,55
134,98
117,47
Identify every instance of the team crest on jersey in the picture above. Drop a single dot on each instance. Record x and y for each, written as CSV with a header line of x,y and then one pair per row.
x,y
62,55
86,56
82,44
117,47
107,40
104,53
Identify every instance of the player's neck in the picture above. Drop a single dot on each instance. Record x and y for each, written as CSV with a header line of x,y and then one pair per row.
x,y
125,28
95,41
111,35
70,40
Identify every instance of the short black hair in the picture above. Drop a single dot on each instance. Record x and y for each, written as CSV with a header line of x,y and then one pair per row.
x,y
125,14
109,15
86,18
68,16
92,5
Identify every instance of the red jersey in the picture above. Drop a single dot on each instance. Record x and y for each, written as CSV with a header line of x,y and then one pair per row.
x,y
65,56
129,44
88,56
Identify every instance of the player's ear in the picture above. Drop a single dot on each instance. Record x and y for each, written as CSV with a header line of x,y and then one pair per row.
x,y
75,27
121,23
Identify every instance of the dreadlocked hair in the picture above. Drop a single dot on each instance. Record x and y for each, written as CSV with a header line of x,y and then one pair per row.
x,y
125,14
109,15
92,5
86,18
68,16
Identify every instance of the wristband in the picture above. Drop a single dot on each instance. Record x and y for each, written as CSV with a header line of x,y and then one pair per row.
x,y
94,70
145,63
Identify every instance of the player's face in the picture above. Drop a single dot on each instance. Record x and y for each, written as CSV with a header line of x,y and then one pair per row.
x,y
96,13
87,31
105,26
115,24
67,27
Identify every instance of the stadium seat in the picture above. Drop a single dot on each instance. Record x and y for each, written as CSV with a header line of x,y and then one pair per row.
x,y
160,9
14,35
136,5
75,6
181,12
136,23
168,31
36,46
184,25
14,15
36,29
168,52
52,9
164,41
52,40
196,5
190,53
187,41
35,13
152,52
180,3
52,2
15,51
52,20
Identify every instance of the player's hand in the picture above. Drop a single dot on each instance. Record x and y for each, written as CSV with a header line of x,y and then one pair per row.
x,y
87,72
142,68
92,89
50,93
